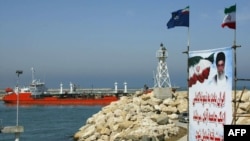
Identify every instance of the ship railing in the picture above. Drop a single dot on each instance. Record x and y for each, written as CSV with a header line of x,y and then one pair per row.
x,y
93,91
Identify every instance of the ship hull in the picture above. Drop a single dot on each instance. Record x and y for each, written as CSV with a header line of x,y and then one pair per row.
x,y
27,98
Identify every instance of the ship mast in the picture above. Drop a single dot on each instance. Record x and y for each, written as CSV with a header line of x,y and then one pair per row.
x,y
33,74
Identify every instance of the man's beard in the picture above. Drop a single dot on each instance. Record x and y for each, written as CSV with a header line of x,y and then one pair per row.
x,y
221,75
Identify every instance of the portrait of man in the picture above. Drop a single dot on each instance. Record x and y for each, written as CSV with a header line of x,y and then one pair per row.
x,y
220,78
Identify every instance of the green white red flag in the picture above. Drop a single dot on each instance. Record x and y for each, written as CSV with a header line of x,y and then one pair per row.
x,y
230,17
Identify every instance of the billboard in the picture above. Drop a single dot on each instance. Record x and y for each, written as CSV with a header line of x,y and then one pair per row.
x,y
210,93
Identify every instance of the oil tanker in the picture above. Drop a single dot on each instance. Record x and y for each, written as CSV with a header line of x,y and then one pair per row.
x,y
26,98
37,93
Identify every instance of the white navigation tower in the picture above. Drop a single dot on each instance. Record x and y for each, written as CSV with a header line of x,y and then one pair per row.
x,y
162,79
116,88
125,87
162,86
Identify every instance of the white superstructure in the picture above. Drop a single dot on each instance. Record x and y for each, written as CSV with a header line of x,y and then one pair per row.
x,y
36,87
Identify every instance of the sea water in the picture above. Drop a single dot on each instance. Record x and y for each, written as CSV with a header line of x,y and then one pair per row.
x,y
45,123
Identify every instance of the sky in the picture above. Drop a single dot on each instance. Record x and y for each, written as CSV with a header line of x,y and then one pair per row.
x,y
95,43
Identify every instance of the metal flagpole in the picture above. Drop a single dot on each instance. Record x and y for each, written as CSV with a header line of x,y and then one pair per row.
x,y
187,52
188,44
235,75
235,78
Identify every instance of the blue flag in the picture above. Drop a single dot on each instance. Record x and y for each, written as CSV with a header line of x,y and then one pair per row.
x,y
179,18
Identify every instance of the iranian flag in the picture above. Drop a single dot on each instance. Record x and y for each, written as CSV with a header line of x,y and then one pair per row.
x,y
199,69
230,18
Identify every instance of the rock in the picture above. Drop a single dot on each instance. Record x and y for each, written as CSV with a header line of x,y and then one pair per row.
x,y
162,119
173,116
90,130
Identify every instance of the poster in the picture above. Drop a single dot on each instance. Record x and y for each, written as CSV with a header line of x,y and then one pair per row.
x,y
210,93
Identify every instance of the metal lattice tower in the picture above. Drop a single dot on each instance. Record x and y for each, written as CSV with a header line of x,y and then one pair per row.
x,y
162,79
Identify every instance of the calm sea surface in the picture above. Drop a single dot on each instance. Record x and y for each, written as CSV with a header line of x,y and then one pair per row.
x,y
45,123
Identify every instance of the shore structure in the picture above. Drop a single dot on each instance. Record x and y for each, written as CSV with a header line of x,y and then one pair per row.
x,y
162,84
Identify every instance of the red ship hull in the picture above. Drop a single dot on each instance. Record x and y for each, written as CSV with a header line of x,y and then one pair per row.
x,y
27,98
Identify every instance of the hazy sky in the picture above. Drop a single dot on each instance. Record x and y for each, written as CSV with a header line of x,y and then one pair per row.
x,y
100,42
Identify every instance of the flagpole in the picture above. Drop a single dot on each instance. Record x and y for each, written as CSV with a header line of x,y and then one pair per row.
x,y
235,76
181,18
188,45
187,52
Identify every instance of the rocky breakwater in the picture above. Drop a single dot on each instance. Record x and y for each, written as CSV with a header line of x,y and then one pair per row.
x,y
141,117
144,117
